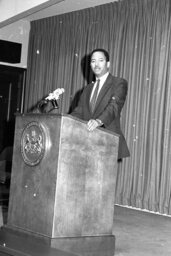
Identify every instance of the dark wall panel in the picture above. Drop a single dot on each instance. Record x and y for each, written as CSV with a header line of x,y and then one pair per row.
x,y
10,52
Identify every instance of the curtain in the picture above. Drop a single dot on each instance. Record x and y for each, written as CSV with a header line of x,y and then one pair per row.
x,y
137,35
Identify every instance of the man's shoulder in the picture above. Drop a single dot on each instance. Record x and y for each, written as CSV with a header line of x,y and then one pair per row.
x,y
117,79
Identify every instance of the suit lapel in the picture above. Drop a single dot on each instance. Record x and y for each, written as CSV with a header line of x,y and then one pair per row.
x,y
89,95
103,91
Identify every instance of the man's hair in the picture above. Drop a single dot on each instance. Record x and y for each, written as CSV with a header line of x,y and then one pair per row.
x,y
106,54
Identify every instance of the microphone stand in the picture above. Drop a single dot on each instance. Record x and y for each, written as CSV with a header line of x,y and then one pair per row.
x,y
41,105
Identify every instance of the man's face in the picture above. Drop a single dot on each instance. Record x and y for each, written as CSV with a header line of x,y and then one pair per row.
x,y
99,65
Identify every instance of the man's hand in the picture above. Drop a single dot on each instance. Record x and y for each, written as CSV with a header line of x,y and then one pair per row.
x,y
93,124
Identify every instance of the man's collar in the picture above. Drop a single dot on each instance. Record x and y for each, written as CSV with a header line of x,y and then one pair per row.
x,y
103,78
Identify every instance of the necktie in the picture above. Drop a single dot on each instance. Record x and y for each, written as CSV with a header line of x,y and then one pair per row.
x,y
94,97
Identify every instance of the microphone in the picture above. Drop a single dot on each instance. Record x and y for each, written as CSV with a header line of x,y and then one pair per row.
x,y
53,97
55,94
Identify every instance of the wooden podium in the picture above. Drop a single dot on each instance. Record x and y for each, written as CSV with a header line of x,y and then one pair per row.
x,y
63,182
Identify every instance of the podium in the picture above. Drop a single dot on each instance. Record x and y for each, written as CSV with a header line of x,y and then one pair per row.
x,y
63,183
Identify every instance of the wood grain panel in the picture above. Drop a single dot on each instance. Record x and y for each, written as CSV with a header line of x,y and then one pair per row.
x,y
71,191
86,180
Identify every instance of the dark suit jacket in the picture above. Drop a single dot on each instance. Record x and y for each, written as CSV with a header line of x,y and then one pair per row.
x,y
108,108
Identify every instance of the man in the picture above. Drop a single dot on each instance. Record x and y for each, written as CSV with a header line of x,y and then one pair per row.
x,y
102,109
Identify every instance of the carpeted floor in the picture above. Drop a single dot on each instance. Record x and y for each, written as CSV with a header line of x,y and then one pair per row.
x,y
140,233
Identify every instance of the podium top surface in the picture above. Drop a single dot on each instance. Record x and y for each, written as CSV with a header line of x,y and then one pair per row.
x,y
60,116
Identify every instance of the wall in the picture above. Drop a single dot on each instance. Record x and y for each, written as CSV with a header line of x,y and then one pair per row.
x,y
17,32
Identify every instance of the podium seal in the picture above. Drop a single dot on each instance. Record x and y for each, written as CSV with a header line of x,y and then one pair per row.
x,y
33,142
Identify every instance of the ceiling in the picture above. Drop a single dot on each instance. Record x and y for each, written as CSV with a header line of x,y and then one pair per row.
x,y
64,6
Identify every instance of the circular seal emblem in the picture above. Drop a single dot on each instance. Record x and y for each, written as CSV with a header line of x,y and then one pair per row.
x,y
33,142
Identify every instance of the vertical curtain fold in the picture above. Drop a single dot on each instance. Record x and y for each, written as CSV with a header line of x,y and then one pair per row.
x,y
137,35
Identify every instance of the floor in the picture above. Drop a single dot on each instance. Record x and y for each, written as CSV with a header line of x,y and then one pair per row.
x,y
140,233
137,233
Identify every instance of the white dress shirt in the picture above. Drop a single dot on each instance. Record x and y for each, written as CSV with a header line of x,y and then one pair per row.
x,y
102,81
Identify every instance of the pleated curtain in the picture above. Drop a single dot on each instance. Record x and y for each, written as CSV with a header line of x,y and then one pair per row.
x,y
137,35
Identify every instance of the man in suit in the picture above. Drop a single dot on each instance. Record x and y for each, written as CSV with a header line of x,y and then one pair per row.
x,y
102,101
